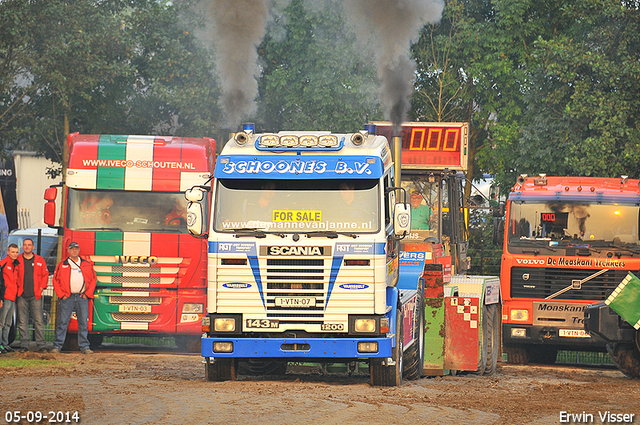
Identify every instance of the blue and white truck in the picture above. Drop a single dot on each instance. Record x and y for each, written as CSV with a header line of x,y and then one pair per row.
x,y
307,262
304,262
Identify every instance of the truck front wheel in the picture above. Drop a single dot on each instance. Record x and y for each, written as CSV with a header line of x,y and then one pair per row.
x,y
414,364
626,357
223,369
492,325
384,375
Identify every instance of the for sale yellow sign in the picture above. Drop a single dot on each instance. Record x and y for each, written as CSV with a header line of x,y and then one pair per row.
x,y
292,216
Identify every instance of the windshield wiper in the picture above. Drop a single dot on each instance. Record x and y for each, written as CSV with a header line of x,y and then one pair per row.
x,y
635,251
330,235
536,251
101,229
249,231
163,230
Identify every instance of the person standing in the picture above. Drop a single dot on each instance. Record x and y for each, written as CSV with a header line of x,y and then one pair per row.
x,y
8,265
32,279
74,282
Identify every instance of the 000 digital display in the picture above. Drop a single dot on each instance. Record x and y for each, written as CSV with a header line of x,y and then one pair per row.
x,y
431,145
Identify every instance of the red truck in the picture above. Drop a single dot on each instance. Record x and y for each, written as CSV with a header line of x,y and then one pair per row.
x,y
122,200
568,242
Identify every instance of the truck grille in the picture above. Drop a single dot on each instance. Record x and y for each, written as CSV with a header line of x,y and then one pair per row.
x,y
296,278
134,317
534,282
134,280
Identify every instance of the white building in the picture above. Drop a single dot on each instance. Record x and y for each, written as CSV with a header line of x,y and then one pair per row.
x,y
31,181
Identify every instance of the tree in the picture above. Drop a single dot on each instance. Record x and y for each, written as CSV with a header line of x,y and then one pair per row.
x,y
580,105
313,75
122,67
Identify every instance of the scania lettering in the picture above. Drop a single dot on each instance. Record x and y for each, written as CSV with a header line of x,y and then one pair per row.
x,y
312,223
568,241
123,202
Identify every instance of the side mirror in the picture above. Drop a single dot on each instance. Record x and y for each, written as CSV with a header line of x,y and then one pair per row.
x,y
50,216
402,220
51,193
195,219
498,210
197,223
498,231
195,194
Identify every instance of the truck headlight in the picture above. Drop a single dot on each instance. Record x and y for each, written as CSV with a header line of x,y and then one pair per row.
x,y
222,347
193,308
518,333
365,325
367,347
518,315
224,324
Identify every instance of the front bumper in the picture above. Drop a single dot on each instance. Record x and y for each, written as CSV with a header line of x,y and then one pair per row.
x,y
550,336
302,348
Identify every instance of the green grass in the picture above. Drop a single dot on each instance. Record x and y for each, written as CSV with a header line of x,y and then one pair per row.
x,y
30,363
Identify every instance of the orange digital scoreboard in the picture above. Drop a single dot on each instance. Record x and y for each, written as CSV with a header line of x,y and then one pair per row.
x,y
431,146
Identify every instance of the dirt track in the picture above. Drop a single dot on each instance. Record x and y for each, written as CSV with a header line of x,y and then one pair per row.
x,y
164,388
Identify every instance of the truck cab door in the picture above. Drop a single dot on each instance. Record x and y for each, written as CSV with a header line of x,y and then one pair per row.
x,y
392,247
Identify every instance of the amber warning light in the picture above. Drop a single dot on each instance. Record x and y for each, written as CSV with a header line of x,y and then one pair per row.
x,y
431,145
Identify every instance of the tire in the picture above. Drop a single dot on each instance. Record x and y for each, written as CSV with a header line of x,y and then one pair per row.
x,y
414,356
95,340
390,376
493,326
256,367
483,342
223,369
626,358
516,355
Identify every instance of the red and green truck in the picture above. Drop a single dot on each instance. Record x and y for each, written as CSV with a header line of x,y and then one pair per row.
x,y
122,200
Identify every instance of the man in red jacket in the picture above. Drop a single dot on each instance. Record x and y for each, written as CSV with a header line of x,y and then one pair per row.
x,y
8,265
74,282
32,278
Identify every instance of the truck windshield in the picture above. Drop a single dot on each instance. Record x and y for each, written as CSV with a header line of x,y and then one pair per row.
x,y
281,206
126,211
573,223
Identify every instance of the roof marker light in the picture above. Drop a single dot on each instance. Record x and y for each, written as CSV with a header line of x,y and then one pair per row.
x,y
249,128
308,140
328,140
269,140
541,181
370,128
289,141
